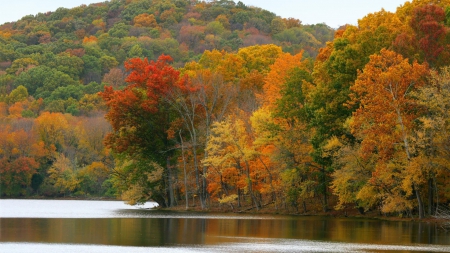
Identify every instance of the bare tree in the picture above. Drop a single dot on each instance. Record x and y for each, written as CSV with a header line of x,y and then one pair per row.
x,y
207,101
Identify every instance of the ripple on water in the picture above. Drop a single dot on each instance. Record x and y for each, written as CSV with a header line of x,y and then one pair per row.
x,y
265,246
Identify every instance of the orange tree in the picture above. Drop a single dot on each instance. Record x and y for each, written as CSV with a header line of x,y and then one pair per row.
x,y
19,155
384,123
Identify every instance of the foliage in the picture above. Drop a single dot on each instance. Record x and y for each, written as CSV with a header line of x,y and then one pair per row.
x,y
257,111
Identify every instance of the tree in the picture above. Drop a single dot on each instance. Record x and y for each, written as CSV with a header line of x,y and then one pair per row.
x,y
205,100
223,20
92,69
19,153
140,120
351,181
108,63
90,134
51,128
20,65
41,81
145,20
277,25
266,144
229,148
384,123
276,78
115,78
425,40
292,22
18,94
119,30
191,35
428,24
259,57
300,173
16,175
69,64
431,136
63,175
215,28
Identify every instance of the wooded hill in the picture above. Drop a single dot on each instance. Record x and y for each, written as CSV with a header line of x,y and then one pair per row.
x,y
363,125
87,42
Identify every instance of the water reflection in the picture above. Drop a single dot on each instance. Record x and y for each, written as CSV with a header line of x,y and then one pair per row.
x,y
194,231
34,208
254,246
125,229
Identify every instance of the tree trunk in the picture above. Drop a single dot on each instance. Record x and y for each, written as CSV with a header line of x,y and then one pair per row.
x,y
170,184
239,197
272,188
324,189
408,155
160,200
325,201
250,188
185,174
203,191
197,174
419,201
430,197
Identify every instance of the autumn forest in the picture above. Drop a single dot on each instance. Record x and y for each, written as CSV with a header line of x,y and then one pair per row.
x,y
218,105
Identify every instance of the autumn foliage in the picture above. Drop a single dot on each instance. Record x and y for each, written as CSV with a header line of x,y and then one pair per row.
x,y
249,112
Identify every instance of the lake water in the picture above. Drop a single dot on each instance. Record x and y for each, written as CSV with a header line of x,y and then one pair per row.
x,y
111,226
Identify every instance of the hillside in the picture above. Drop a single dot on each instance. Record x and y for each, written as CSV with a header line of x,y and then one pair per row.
x,y
83,44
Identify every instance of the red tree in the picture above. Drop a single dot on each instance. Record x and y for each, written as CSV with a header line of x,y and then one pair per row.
x,y
140,117
428,38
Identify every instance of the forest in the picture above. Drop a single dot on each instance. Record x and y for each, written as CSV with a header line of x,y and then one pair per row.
x,y
218,105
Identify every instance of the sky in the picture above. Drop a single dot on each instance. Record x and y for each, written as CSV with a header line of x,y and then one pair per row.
x,y
332,12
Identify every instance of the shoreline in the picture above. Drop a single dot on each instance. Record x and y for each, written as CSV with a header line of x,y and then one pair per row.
x,y
340,214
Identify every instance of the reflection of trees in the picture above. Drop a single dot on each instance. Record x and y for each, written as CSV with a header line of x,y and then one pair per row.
x,y
156,232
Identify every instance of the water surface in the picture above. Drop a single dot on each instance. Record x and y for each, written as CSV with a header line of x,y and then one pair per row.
x,y
111,226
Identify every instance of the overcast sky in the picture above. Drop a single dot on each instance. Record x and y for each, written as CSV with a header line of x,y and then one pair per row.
x,y
332,12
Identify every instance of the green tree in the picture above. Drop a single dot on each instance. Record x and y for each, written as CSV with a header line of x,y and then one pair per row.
x,y
42,81
18,94
277,25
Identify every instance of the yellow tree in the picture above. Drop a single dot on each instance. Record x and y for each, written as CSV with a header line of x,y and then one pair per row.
x,y
351,182
259,57
145,20
51,128
229,146
63,175
384,122
90,133
230,66
266,146
432,136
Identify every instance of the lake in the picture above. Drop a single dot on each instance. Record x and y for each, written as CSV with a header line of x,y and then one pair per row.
x,y
112,226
